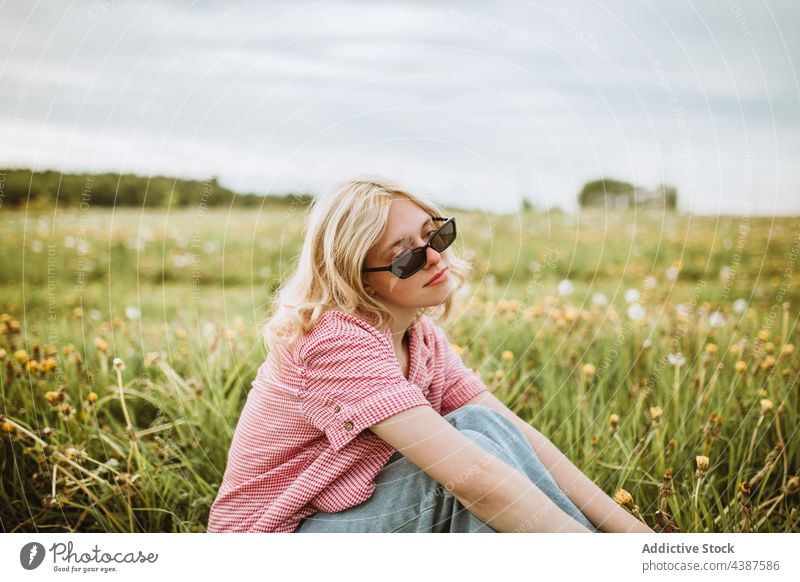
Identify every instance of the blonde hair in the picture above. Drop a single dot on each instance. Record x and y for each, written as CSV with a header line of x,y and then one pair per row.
x,y
343,224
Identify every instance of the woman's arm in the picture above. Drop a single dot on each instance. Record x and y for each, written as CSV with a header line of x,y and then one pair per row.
x,y
601,510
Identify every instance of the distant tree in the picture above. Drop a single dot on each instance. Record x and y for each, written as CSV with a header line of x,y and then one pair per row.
x,y
600,189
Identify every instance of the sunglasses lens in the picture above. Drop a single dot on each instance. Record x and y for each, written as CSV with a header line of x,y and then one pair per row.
x,y
409,263
445,237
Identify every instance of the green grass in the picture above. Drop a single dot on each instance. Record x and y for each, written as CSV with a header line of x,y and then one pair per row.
x,y
200,282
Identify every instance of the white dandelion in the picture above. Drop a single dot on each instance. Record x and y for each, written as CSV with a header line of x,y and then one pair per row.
x,y
565,287
631,296
636,312
716,319
600,299
740,305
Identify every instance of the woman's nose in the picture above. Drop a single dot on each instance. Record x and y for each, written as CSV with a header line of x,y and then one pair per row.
x,y
433,257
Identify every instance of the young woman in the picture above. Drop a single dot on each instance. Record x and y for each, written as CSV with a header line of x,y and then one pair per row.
x,y
364,419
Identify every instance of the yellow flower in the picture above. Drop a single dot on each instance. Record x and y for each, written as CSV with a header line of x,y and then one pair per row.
x,y
769,347
711,348
101,344
763,335
22,356
7,427
589,369
2,354
54,397
77,313
624,498
457,349
31,365
507,356
91,397
655,412
498,374
741,366
768,363
787,349
180,332
614,419
49,365
150,358
702,463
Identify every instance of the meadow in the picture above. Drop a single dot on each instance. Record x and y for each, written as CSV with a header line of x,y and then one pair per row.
x,y
657,351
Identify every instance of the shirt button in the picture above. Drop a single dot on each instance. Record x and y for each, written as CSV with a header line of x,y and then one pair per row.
x,y
348,425
336,408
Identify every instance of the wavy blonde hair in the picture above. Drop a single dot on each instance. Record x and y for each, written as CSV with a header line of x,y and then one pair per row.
x,y
343,224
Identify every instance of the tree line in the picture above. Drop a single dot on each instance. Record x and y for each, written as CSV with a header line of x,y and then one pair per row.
x,y
20,187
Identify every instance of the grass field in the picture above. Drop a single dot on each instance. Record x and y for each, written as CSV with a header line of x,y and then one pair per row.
x,y
657,351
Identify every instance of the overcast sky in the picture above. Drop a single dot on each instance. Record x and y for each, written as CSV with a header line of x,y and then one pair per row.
x,y
474,104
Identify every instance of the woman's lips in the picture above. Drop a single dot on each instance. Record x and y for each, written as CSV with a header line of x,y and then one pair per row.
x,y
442,276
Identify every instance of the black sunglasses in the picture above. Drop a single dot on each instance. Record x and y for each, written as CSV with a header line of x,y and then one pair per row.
x,y
413,260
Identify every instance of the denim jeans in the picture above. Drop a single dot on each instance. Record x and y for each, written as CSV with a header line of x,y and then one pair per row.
x,y
406,499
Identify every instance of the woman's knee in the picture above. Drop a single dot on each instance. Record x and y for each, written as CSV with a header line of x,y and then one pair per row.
x,y
487,421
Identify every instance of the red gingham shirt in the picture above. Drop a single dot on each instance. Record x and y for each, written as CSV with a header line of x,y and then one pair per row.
x,y
302,442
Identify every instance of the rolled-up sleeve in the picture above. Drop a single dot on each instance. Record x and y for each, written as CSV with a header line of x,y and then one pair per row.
x,y
352,382
461,383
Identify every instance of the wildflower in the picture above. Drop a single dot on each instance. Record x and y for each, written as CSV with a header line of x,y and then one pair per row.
x,y
650,282
498,374
769,347
77,313
741,366
636,312
599,299
101,344
766,405
676,359
711,348
683,310
22,356
786,349
624,498
631,296
91,398
150,358
671,273
49,365
716,319
614,420
180,332
702,463
55,397
7,427
118,364
739,305
31,365
655,412
2,354
565,287
589,369
507,356
763,335
768,363
133,313
457,349
647,344
229,334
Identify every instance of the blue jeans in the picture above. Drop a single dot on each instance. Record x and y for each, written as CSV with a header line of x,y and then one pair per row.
x,y
406,499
